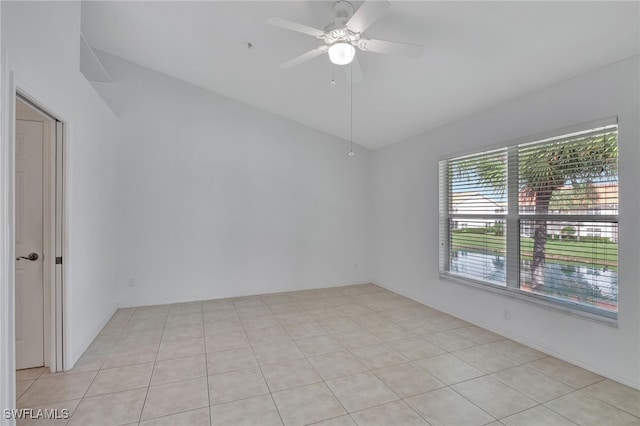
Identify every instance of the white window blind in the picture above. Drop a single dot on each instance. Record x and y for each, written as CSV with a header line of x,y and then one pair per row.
x,y
477,208
570,175
537,218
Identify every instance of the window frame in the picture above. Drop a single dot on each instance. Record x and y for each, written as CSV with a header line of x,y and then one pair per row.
x,y
512,218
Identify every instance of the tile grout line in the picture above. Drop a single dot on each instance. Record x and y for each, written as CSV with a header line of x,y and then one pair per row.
x,y
94,377
370,370
554,411
473,403
349,350
206,366
315,319
144,402
323,381
486,374
177,381
581,390
264,378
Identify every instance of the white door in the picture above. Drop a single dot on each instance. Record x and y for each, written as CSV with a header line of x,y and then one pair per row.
x,y
29,278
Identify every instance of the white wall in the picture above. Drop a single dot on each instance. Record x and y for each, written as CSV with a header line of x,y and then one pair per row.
x,y
42,40
220,199
405,206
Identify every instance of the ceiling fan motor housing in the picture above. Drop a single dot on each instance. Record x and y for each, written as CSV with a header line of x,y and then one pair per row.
x,y
337,30
343,9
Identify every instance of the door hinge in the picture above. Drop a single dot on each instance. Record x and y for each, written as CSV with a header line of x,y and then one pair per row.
x,y
58,260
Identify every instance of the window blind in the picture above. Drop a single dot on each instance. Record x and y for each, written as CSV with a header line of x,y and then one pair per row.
x,y
580,268
478,184
570,175
568,206
476,211
540,218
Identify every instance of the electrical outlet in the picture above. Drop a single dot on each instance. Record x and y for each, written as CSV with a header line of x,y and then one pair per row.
x,y
132,282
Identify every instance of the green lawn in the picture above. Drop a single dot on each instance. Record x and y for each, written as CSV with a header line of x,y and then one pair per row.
x,y
568,252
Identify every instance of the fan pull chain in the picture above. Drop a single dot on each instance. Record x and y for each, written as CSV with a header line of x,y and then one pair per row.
x,y
351,153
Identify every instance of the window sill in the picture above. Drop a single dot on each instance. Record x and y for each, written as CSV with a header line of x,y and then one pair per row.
x,y
567,308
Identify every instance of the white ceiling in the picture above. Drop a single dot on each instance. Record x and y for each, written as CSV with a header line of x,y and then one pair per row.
x,y
477,54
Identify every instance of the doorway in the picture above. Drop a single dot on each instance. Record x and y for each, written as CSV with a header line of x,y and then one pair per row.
x,y
38,237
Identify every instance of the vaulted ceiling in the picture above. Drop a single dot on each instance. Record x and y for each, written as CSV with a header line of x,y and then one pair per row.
x,y
476,55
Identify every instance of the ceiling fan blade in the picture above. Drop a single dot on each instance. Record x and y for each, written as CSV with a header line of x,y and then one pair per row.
x,y
295,26
390,47
305,57
353,70
368,13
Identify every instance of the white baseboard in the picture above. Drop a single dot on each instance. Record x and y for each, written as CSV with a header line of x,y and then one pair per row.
x,y
71,360
154,302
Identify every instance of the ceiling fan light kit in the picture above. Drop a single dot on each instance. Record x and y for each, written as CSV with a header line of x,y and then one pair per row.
x,y
344,34
341,53
341,38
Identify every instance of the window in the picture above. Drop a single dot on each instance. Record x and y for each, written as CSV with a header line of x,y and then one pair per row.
x,y
536,219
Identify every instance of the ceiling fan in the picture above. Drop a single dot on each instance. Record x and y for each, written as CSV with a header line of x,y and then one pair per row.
x,y
344,34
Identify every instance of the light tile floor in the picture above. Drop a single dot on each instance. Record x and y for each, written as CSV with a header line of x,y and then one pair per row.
x,y
340,356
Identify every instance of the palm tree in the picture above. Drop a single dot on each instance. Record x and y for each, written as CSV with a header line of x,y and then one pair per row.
x,y
544,169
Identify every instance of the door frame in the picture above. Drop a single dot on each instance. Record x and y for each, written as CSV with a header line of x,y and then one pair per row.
x,y
52,228
8,92
7,243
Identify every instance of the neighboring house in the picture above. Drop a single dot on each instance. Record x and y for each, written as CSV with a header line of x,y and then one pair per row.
x,y
474,203
599,199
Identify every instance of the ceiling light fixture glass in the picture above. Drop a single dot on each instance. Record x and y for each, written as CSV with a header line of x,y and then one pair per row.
x,y
341,53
